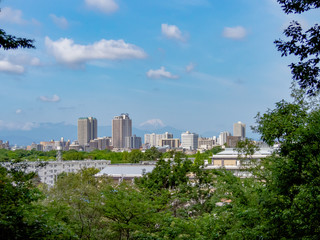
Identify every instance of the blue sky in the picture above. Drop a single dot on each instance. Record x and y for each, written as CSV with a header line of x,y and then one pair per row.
x,y
191,64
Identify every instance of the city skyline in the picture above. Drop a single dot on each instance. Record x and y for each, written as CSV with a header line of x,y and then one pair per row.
x,y
189,64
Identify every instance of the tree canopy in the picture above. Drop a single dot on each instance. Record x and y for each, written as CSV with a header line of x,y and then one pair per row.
x,y
303,44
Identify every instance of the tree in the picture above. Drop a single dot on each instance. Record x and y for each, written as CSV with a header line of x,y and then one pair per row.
x,y
21,216
152,154
8,41
76,200
303,44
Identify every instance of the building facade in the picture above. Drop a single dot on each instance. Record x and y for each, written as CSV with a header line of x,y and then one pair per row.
x,y
87,130
239,130
223,138
121,128
154,140
189,140
171,143
133,142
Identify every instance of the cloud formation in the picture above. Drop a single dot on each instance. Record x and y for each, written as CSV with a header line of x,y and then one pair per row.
x,y
11,15
66,51
235,33
61,22
9,67
106,6
161,73
190,67
172,32
54,98
17,126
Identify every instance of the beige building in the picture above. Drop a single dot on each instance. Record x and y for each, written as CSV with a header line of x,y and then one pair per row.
x,y
239,130
205,143
87,130
121,128
172,142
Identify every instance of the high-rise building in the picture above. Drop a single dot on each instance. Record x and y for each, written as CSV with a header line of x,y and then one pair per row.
x,y
239,130
87,130
121,128
133,142
189,140
223,138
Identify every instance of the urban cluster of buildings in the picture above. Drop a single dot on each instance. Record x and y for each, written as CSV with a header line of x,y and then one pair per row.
x,y
123,139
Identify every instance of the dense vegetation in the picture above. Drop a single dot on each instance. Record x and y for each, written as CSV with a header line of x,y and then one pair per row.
x,y
135,156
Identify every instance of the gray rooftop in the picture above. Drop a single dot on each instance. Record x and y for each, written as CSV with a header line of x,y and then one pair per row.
x,y
129,170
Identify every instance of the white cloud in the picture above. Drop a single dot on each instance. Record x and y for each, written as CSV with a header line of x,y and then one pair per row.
x,y
172,32
190,67
54,98
66,51
61,22
160,73
153,122
17,126
11,15
106,6
9,67
236,33
18,111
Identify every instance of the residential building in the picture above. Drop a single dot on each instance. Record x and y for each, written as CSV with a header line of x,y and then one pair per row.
x,y
154,139
51,169
133,142
232,141
206,143
189,140
171,143
121,128
223,137
87,130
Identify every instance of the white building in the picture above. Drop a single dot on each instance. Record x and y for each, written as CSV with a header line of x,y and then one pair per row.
x,y
189,140
48,173
223,138
154,140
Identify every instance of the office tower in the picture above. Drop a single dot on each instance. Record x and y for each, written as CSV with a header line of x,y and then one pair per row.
x,y
223,137
189,140
121,128
239,130
133,142
87,130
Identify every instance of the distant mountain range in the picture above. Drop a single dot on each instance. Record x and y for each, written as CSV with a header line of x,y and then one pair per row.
x,y
54,131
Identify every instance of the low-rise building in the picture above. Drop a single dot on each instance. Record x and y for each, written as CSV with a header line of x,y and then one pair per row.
x,y
51,169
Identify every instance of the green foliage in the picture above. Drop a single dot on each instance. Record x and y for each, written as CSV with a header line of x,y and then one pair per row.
x,y
11,42
303,44
135,156
152,154
21,217
76,201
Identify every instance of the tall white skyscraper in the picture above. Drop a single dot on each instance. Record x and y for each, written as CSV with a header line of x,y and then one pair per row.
x,y
223,137
189,140
121,128
239,130
87,130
